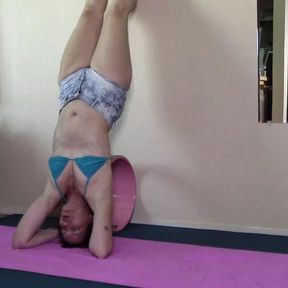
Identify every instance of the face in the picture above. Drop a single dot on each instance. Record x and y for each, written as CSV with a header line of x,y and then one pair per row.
x,y
74,220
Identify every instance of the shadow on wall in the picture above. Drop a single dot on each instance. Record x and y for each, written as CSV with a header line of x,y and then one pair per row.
x,y
22,172
166,177
195,68
189,56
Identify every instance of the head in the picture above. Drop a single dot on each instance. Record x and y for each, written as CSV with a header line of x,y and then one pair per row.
x,y
75,223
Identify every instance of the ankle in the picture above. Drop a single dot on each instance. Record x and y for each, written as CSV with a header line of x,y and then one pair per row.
x,y
122,7
117,10
96,6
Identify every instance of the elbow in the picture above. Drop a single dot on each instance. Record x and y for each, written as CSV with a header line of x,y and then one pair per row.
x,y
15,245
18,243
101,252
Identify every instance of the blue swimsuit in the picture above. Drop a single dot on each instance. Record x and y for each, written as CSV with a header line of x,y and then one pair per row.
x,y
88,165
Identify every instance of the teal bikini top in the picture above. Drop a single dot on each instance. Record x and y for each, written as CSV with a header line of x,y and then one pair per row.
x,y
88,165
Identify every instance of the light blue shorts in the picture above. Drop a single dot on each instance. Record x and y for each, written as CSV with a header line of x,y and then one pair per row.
x,y
103,95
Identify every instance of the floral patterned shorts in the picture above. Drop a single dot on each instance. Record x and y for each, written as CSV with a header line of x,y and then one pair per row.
x,y
103,95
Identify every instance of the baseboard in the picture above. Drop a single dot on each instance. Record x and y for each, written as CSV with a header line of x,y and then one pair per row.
x,y
227,228
12,210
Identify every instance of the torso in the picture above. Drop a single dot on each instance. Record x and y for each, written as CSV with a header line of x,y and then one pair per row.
x,y
80,131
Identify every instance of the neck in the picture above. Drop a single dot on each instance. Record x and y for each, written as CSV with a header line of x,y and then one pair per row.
x,y
73,194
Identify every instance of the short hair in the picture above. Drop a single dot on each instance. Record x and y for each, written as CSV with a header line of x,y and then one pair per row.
x,y
83,244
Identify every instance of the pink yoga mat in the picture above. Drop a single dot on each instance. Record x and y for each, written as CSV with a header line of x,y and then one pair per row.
x,y
140,263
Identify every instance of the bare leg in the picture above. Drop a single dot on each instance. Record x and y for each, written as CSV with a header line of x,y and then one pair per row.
x,y
112,54
81,45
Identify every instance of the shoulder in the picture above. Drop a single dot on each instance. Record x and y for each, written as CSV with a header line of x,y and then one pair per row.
x,y
50,195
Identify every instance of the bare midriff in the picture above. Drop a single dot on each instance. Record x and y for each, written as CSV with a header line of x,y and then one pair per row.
x,y
81,131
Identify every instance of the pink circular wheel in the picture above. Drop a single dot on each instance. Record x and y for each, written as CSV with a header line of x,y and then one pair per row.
x,y
124,192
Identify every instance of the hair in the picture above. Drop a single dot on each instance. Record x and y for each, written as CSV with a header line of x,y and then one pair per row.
x,y
83,244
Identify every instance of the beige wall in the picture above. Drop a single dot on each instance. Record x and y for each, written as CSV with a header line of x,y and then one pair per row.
x,y
190,125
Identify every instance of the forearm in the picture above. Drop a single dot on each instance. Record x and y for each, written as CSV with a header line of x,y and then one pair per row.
x,y
28,232
101,241
41,237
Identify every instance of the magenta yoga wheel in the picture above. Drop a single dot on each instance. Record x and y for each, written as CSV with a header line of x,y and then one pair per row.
x,y
124,192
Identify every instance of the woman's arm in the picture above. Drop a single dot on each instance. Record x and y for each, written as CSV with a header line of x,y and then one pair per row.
x,y
28,233
101,240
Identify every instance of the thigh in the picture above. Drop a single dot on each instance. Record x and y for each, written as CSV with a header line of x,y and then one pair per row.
x,y
112,54
81,44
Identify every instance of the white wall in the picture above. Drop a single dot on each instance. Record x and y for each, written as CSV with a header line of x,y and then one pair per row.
x,y
190,125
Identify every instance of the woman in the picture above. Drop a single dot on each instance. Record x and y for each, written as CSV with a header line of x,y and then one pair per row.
x,y
94,77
